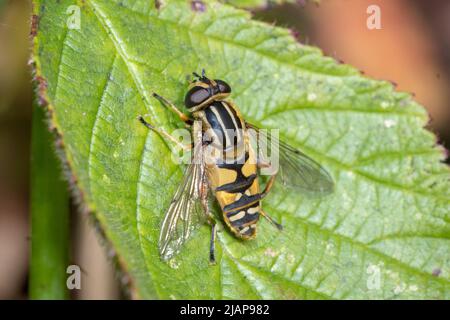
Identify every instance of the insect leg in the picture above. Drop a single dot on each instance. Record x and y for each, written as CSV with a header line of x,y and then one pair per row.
x,y
266,190
211,221
166,102
269,186
164,134
212,245
273,222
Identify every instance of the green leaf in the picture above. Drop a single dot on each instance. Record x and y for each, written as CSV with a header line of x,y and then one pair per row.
x,y
383,233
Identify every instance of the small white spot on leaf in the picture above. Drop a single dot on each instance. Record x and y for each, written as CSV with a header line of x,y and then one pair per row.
x,y
329,248
388,123
311,96
385,104
174,264
400,288
413,288
270,252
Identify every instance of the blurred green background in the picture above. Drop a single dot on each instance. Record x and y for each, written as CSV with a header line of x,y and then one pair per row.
x,y
412,49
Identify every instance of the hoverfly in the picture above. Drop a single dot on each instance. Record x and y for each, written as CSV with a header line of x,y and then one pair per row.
x,y
234,183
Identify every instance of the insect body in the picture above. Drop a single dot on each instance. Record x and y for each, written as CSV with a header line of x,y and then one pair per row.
x,y
229,169
234,182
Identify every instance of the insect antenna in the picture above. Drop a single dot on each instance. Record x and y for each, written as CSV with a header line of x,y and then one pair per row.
x,y
201,77
196,75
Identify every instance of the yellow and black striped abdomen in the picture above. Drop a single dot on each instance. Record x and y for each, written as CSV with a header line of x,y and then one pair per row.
x,y
240,199
232,171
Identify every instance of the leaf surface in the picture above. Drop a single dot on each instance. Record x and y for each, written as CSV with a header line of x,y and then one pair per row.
x,y
383,233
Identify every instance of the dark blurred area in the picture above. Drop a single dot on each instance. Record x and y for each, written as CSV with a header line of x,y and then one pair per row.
x,y
412,49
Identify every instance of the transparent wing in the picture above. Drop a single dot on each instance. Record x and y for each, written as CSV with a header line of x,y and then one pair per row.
x,y
296,169
184,213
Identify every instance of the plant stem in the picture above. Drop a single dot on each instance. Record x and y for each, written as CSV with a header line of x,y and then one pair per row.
x,y
49,216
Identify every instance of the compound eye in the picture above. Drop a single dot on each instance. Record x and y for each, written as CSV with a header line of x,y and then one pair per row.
x,y
196,96
223,86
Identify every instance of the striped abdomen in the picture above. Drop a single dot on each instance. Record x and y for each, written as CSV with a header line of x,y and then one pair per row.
x,y
240,199
232,171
